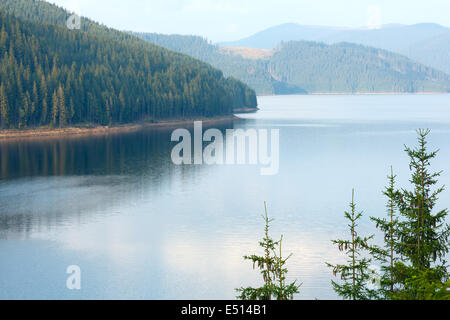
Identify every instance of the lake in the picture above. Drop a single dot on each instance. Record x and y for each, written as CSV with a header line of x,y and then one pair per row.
x,y
141,227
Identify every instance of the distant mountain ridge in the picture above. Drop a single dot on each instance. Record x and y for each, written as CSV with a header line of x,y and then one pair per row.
x,y
253,72
270,38
352,68
311,67
420,42
433,51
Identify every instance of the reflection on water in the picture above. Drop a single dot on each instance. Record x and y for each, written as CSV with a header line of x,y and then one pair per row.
x,y
99,171
141,227
99,155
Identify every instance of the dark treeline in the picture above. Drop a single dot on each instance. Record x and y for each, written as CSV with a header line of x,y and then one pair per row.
x,y
53,76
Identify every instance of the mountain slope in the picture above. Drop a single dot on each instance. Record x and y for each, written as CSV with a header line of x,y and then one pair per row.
x,y
301,67
253,72
346,67
434,52
50,75
426,43
390,37
271,37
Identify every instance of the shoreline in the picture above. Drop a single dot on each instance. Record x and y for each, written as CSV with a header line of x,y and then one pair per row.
x,y
355,94
245,110
40,133
377,93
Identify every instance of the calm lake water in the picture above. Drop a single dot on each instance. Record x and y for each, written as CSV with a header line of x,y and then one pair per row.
x,y
141,227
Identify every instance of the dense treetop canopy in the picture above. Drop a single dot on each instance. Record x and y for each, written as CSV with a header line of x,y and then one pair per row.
x,y
52,75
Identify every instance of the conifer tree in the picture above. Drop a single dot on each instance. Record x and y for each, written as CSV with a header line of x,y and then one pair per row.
x,y
71,110
44,109
61,107
387,254
3,107
34,101
108,112
54,114
423,235
24,111
140,80
355,275
272,268
283,291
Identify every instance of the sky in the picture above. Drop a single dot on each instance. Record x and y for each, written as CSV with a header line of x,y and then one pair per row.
x,y
225,20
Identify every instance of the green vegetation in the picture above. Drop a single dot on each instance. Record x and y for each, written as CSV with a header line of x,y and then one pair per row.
x,y
387,255
302,67
346,67
412,258
416,239
426,43
422,235
253,72
273,270
53,76
356,274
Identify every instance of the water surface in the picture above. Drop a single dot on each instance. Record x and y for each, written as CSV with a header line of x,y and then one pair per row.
x,y
141,227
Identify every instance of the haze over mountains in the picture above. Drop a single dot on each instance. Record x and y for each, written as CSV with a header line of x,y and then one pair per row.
x,y
271,63
51,75
347,67
427,43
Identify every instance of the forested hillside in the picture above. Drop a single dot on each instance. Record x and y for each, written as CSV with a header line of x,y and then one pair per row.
x,y
51,75
426,43
308,67
433,51
253,72
346,67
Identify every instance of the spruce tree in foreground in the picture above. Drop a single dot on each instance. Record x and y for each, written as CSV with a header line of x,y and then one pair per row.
x,y
387,254
356,274
422,235
272,268
283,291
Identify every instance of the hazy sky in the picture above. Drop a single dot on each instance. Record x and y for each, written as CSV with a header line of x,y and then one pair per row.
x,y
221,20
